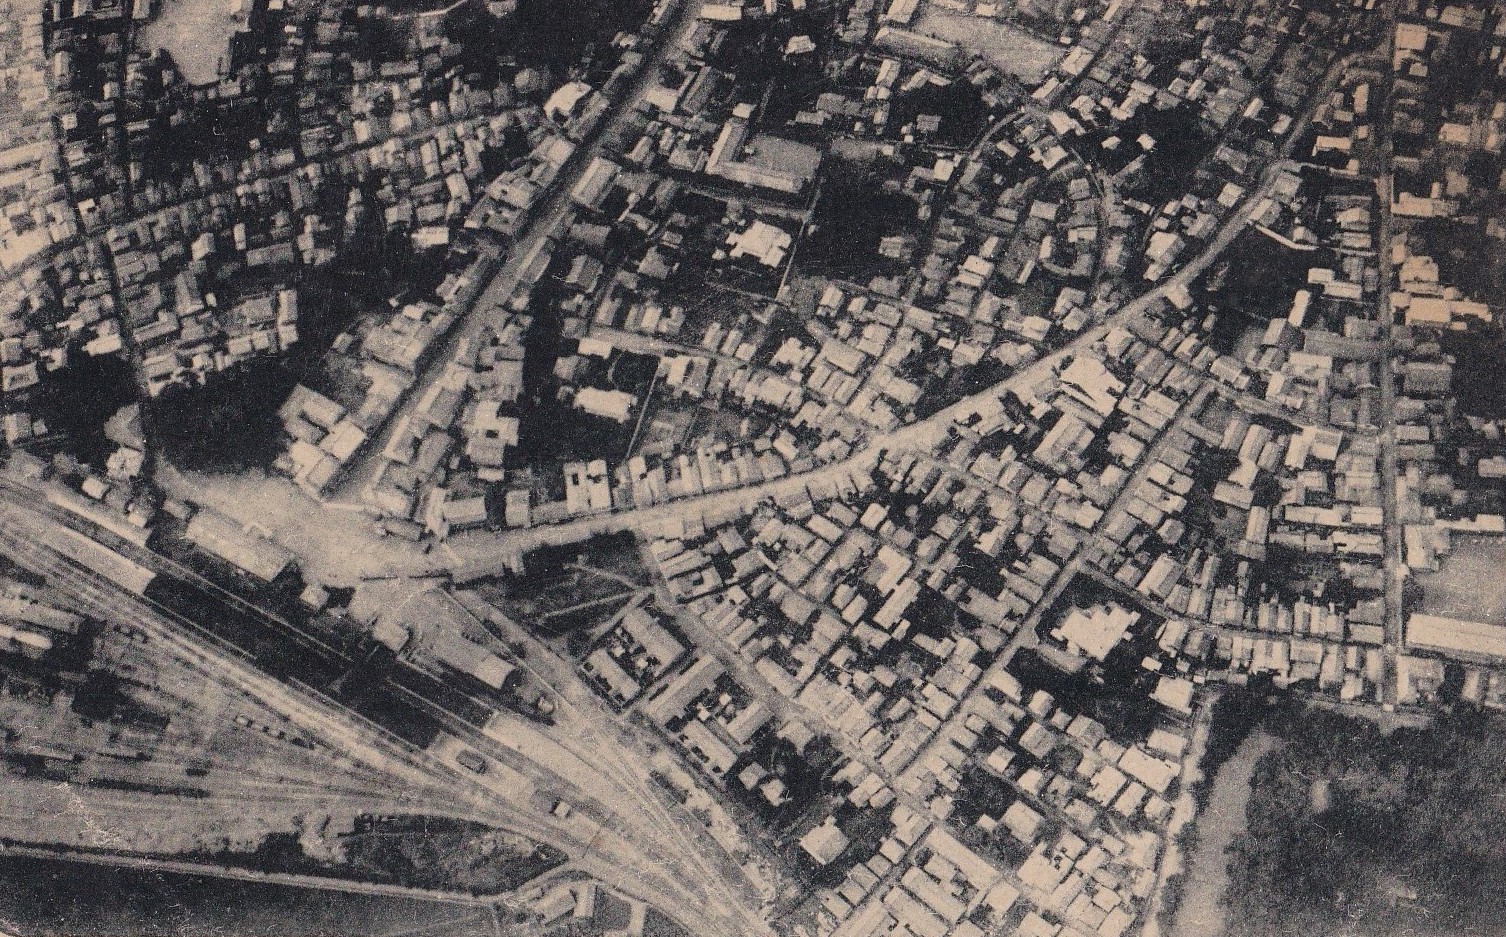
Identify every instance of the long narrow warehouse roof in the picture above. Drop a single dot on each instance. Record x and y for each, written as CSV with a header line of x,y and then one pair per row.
x,y
1474,638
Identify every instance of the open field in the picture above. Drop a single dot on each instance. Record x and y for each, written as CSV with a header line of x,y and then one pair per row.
x,y
1010,48
196,33
335,545
1468,583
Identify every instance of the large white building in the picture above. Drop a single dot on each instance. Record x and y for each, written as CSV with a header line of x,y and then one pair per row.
x,y
611,404
1456,636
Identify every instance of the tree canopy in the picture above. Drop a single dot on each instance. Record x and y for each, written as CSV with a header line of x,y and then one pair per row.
x,y
1352,830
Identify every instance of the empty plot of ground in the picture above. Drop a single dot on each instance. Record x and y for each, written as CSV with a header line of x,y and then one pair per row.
x,y
335,545
196,33
1008,47
1468,583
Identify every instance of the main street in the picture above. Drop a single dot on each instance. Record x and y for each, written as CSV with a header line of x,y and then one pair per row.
x,y
1393,566
548,218
472,555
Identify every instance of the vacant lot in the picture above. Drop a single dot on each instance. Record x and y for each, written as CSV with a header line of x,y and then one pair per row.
x,y
336,545
1008,47
1468,583
196,33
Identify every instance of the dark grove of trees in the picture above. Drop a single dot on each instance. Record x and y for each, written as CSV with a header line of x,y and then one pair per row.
x,y
1355,831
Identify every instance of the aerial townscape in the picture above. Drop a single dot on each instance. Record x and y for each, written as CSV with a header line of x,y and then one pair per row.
x,y
815,468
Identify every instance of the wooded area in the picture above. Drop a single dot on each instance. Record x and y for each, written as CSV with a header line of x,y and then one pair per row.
x,y
1355,831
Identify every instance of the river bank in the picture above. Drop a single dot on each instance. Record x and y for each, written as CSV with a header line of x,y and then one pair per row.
x,y
1201,911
